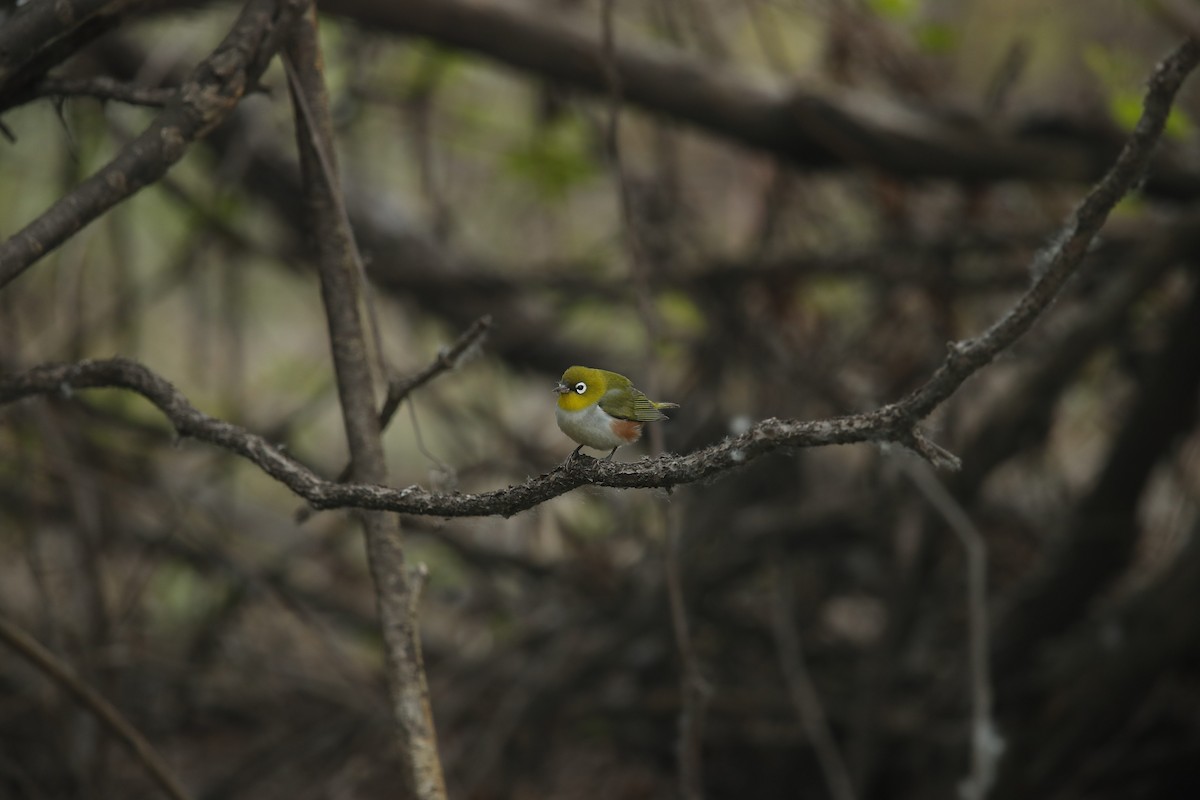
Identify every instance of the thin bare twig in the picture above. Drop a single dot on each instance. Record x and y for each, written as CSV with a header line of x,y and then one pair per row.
x,y
64,676
446,360
803,691
985,743
695,689
105,89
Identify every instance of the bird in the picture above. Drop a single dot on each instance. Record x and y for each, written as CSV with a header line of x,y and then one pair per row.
x,y
603,410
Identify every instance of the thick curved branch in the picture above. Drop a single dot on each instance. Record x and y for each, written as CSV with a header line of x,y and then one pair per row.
x,y
209,94
896,422
809,128
664,472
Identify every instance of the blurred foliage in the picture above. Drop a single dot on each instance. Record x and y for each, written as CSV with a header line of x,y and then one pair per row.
x,y
1119,76
558,158
177,580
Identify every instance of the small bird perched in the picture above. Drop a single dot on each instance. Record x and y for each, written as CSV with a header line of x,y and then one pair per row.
x,y
601,409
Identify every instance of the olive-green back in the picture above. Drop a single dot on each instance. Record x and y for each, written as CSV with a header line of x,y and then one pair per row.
x,y
623,401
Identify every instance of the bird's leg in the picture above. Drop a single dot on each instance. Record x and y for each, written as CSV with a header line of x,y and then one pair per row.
x,y
574,454
610,455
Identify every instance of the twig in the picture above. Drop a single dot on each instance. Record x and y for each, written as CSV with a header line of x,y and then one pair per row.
x,y
695,689
803,691
105,89
986,744
612,81
447,359
399,389
447,475
208,96
48,663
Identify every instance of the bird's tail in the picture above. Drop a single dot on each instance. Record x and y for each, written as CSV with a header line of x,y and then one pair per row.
x,y
661,406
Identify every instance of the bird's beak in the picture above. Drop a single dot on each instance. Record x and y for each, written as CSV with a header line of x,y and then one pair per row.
x,y
562,388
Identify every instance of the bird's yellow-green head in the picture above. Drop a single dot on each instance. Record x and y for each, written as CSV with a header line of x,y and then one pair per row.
x,y
581,387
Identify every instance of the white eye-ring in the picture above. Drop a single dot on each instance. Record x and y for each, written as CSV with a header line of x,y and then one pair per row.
x,y
580,387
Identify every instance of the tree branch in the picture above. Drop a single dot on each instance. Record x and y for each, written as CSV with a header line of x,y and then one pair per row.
x,y
1059,262
809,128
664,472
207,97
342,290
93,701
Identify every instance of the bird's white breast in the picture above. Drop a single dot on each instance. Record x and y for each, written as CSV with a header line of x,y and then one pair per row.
x,y
590,426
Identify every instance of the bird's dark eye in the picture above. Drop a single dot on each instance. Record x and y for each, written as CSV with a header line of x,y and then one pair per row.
x,y
580,387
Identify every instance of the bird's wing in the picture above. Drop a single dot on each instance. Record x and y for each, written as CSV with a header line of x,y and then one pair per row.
x,y
629,403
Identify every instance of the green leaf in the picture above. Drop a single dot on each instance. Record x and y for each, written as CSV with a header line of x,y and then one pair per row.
x,y
430,66
681,313
1125,108
1121,78
937,38
1180,125
555,160
897,9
